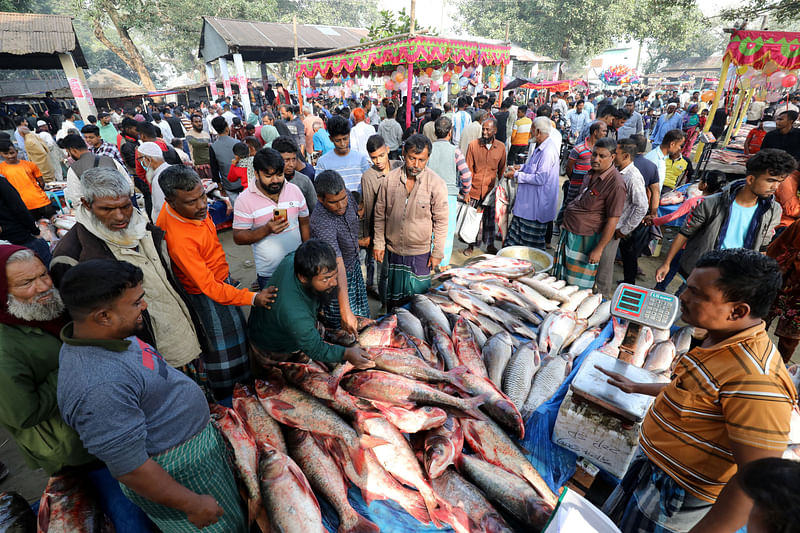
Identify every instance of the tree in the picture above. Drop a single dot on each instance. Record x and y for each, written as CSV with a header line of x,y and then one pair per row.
x,y
782,11
390,25
706,44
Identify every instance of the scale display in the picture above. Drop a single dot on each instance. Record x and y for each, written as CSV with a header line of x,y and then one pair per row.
x,y
644,306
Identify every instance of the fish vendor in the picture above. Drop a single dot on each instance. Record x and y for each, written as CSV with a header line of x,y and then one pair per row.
x,y
147,421
307,279
336,223
729,403
31,317
410,212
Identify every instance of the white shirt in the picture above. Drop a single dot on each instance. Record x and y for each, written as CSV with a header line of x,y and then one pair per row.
x,y
359,135
635,207
166,131
65,127
659,158
157,193
229,116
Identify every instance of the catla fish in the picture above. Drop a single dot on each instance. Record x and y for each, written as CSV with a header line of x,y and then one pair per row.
x,y
444,302
465,508
612,347
507,490
496,354
69,505
545,289
411,420
546,382
398,361
499,292
583,342
424,351
467,350
514,325
600,315
643,344
682,339
442,446
539,302
492,444
487,325
381,334
322,385
409,323
589,306
576,299
497,404
468,301
326,478
288,498
555,330
477,333
519,372
443,345
427,311
263,428
660,356
522,313
396,455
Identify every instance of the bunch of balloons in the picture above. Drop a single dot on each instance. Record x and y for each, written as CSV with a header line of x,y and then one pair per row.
x,y
619,75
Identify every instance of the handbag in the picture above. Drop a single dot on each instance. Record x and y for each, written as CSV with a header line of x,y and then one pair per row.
x,y
468,222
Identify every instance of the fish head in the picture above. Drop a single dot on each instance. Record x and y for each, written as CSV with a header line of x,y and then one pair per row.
x,y
271,462
218,412
271,385
439,454
432,416
242,391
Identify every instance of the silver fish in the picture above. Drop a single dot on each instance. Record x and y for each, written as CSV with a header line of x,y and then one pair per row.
x,y
589,306
548,379
558,331
519,372
540,276
485,298
682,339
424,309
581,325
612,347
409,323
660,335
583,342
487,325
539,302
496,354
601,314
545,289
523,313
550,280
514,324
570,290
660,356
576,299
468,301
477,333
643,343
499,292
444,302
560,284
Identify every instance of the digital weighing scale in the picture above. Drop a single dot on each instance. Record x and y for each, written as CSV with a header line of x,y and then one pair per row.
x,y
597,420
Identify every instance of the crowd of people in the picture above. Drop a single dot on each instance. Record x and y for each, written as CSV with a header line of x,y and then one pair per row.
x,y
114,341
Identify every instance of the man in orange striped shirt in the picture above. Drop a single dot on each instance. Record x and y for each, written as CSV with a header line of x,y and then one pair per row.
x,y
729,403
200,265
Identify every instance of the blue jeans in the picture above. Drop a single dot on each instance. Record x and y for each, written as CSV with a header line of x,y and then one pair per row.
x,y
263,281
41,247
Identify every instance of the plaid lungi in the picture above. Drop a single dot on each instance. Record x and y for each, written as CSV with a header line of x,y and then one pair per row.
x,y
650,501
225,358
523,232
356,294
402,277
200,465
196,371
572,259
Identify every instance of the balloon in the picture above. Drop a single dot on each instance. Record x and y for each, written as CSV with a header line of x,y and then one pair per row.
x,y
463,82
769,68
446,76
758,81
399,77
707,96
389,85
773,96
437,75
429,71
401,69
434,86
741,70
789,81
457,69
776,78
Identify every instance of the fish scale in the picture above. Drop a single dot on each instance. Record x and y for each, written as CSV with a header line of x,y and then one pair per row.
x,y
519,373
496,353
545,383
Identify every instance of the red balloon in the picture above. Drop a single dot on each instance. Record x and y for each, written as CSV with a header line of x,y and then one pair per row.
x,y
789,81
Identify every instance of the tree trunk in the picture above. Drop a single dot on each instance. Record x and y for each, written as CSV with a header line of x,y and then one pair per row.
x,y
129,53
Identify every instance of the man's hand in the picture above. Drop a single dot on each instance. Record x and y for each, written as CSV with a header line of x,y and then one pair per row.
x,y
509,173
619,235
277,225
662,272
364,242
594,255
349,322
618,380
433,262
266,297
378,254
204,511
648,220
358,357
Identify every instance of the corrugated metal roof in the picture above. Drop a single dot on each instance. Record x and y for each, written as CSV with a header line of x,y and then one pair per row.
x,y
273,36
23,34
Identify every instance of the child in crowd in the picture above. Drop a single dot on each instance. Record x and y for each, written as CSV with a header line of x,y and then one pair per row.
x,y
177,145
242,164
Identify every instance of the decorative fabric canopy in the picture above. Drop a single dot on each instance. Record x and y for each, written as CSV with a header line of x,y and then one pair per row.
x,y
757,48
421,50
558,85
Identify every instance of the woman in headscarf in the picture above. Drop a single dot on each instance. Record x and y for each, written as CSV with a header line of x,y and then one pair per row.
x,y
691,125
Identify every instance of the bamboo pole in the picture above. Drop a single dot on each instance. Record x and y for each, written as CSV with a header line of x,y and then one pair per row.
x,y
737,109
502,73
296,65
723,75
409,90
747,101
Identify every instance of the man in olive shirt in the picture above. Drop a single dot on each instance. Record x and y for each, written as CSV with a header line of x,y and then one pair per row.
x,y
306,279
199,140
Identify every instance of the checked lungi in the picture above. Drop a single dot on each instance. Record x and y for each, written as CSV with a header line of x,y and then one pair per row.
x,y
356,294
650,501
403,276
200,465
225,353
524,232
572,259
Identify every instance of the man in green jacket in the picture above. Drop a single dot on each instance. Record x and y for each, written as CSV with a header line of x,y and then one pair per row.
x,y
306,279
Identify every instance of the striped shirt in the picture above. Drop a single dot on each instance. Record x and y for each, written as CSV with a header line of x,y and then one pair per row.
x,y
108,150
582,155
735,391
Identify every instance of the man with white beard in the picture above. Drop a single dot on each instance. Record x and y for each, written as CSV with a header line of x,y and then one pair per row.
x,y
110,227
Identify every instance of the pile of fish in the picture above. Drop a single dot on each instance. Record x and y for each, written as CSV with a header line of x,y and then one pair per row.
x,y
654,349
16,515
69,504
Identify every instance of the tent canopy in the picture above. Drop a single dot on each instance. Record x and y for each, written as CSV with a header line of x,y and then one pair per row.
x,y
32,41
757,48
381,57
559,85
106,84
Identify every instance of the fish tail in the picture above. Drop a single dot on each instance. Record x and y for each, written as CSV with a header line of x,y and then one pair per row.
x,y
414,505
474,405
337,375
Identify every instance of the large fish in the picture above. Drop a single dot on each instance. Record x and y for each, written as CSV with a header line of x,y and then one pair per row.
x,y
398,361
386,387
553,333
612,346
522,313
514,324
492,444
519,372
581,343
442,446
424,351
465,508
581,325
541,304
589,306
381,334
467,351
643,343
411,420
660,356
576,299
477,333
326,478
376,483
245,453
487,325
428,312
69,504
471,303
569,290
288,498
409,323
660,335
469,274
496,353
262,427
546,382
545,289
497,404
682,339
443,346
298,409
507,490
600,315
396,455
499,292
323,385
444,302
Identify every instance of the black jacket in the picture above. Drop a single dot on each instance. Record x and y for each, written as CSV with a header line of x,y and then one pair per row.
x,y
16,223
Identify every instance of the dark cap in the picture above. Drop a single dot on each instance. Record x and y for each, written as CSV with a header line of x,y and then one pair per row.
x,y
630,100
102,114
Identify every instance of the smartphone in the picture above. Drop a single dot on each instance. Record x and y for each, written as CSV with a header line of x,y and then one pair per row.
x,y
279,213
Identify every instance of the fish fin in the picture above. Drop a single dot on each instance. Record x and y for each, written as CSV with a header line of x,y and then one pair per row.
x,y
416,507
475,403
431,504
337,375
43,518
280,405
368,441
362,525
262,520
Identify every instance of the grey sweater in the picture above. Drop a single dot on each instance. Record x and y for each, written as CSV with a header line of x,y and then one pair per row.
x,y
126,403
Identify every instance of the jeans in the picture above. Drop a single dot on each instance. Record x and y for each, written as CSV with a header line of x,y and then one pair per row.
x,y
41,247
263,281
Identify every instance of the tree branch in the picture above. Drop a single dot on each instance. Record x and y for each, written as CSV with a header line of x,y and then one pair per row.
x,y
101,36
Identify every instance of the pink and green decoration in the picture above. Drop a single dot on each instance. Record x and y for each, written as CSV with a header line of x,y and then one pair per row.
x,y
758,48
